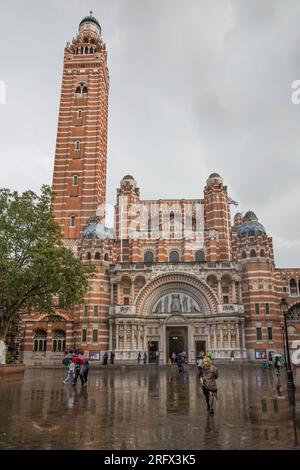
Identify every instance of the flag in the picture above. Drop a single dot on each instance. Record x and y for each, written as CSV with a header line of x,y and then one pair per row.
x,y
231,201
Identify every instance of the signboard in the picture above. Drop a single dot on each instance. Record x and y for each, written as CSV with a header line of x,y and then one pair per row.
x,y
94,356
260,354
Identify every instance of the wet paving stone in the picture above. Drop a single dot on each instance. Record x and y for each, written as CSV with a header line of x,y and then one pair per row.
x,y
148,408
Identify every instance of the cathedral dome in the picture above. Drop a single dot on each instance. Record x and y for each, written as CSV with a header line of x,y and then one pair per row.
x,y
90,19
250,215
128,177
251,226
96,229
214,178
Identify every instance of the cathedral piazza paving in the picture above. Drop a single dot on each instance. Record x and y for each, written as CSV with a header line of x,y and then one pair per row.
x,y
148,407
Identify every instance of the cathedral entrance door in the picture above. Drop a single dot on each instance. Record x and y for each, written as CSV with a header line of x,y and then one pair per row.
x,y
152,351
200,346
176,341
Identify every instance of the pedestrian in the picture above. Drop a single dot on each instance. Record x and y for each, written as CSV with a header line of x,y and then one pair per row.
x,y
200,363
112,357
208,382
85,371
78,370
173,357
180,363
139,357
277,365
169,361
145,358
157,358
232,356
184,363
71,373
270,359
105,358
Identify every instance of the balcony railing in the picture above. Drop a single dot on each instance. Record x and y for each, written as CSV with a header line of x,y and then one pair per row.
x,y
181,266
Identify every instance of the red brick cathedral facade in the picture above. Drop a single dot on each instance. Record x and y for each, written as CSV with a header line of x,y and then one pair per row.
x,y
173,275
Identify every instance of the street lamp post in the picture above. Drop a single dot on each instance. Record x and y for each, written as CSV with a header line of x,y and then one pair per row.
x,y
290,378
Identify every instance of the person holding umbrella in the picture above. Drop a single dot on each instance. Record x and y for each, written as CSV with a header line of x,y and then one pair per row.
x,y
78,369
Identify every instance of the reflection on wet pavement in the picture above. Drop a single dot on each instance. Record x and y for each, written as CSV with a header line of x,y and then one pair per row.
x,y
148,408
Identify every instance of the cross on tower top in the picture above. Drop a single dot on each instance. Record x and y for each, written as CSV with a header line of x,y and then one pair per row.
x,y
91,13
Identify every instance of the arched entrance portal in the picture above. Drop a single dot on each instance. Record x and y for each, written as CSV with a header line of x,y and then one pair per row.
x,y
175,308
177,340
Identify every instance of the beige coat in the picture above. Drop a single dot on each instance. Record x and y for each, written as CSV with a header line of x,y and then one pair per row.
x,y
209,376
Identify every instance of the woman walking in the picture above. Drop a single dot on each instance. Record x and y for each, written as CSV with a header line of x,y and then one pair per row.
x,y
208,382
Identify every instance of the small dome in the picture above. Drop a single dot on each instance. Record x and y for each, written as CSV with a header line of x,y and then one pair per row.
x,y
251,228
250,215
238,219
128,177
214,175
90,19
96,229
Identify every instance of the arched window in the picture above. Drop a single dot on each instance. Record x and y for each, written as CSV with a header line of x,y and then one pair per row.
x,y
126,289
194,224
81,89
73,221
172,217
212,281
174,257
59,341
244,254
75,180
199,256
293,287
148,257
40,341
252,253
262,253
97,255
149,225
77,145
106,257
79,113
86,51
88,255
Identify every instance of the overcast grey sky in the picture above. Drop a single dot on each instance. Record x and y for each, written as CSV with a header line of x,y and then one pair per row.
x,y
196,87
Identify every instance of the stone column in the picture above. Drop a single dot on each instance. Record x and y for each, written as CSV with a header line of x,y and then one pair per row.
x,y
237,329
133,328
190,344
125,336
162,349
229,336
234,299
215,336
112,295
220,291
132,292
209,331
139,337
118,294
110,336
117,336
221,339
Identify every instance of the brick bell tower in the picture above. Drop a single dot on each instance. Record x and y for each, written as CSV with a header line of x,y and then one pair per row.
x,y
79,178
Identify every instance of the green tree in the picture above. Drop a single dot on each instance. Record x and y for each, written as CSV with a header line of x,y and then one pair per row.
x,y
35,268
